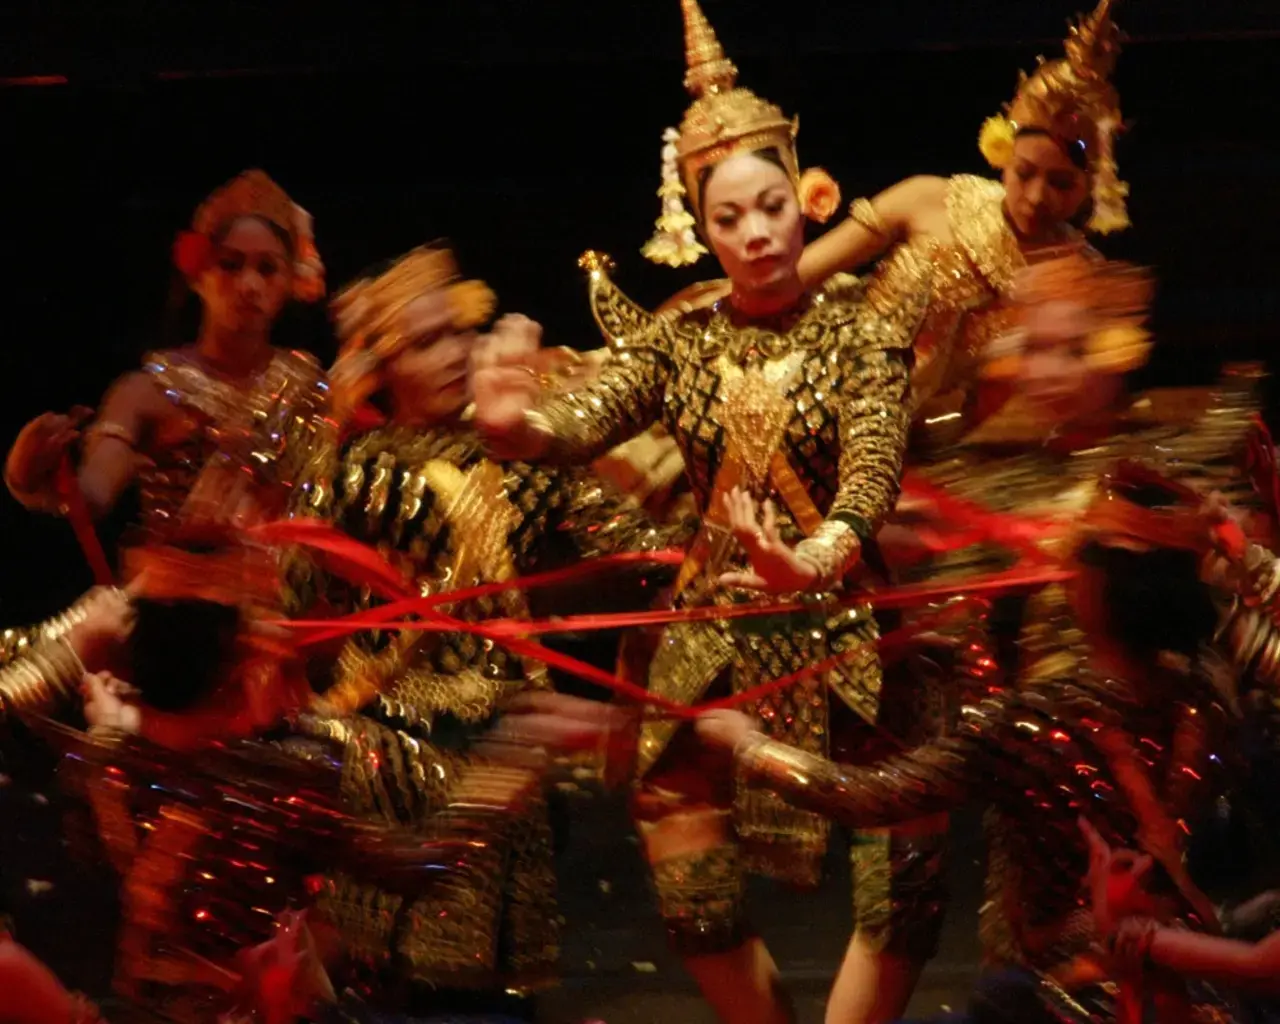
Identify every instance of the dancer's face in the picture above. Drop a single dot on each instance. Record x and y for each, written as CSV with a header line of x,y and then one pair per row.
x,y
428,377
249,279
1056,377
753,221
1044,190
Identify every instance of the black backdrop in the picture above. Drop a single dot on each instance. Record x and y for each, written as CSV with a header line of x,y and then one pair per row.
x,y
527,132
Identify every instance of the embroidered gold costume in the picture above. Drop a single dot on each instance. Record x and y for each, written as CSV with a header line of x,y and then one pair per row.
x,y
277,423
811,412
1133,756
807,409
450,518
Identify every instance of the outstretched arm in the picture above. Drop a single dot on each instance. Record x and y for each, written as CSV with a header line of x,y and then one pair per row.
x,y
928,780
110,458
873,226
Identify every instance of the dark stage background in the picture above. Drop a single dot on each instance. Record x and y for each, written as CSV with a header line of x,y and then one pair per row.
x,y
527,132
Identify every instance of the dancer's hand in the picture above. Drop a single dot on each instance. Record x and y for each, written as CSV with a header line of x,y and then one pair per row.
x,y
108,621
106,707
505,386
284,978
556,721
775,566
1115,881
40,448
725,729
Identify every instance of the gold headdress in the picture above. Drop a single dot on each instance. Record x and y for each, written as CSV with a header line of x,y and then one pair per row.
x,y
368,318
722,121
1073,100
254,194
1116,295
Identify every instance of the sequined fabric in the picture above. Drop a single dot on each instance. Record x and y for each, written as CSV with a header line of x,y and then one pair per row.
x,y
1036,757
1060,742
808,411
700,897
967,280
450,518
276,423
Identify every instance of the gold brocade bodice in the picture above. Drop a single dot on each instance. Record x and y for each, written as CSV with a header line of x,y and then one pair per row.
x,y
824,390
968,281
808,411
274,423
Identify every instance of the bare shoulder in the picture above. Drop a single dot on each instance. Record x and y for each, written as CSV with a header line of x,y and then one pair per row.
x,y
919,189
136,389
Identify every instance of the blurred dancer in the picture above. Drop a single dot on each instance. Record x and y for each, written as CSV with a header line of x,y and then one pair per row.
x,y
231,394
420,488
776,391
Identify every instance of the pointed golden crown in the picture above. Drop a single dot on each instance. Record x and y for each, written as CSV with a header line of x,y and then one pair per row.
x,y
723,119
1073,100
1072,97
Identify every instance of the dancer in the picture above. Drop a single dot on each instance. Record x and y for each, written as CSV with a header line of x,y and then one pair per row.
x,y
964,238
243,798
420,488
968,236
231,394
1116,658
1122,647
775,391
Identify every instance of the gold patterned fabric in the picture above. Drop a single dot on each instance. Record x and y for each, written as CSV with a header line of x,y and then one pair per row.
x,y
808,411
967,280
276,424
1061,741
1040,756
450,518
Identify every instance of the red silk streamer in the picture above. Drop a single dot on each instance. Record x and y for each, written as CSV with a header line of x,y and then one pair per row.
x,y
82,523
512,633
1260,460
991,585
976,522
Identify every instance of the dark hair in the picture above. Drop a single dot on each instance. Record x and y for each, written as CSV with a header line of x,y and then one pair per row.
x,y
1076,149
770,155
224,229
1154,600
180,650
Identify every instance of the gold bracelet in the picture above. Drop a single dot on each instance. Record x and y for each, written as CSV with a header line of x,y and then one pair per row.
x,y
864,213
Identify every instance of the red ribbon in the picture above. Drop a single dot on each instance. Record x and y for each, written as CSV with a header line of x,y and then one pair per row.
x,y
513,633
82,523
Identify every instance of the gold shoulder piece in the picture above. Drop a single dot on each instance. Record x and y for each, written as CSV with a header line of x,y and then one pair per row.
x,y
975,212
622,321
879,327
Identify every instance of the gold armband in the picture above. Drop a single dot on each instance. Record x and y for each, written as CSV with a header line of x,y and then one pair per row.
x,y
863,212
832,550
769,764
41,681
103,429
